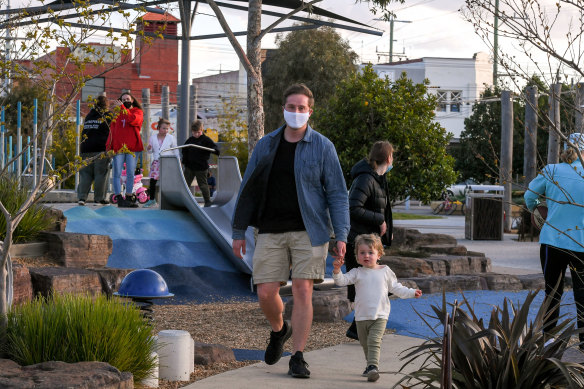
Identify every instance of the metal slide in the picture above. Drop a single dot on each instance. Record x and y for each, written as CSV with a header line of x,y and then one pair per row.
x,y
216,220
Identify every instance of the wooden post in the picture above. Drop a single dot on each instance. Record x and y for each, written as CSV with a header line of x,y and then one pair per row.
x,y
146,126
505,169
530,143
554,115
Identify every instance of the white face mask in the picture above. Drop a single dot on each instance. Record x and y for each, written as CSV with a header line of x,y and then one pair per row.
x,y
296,119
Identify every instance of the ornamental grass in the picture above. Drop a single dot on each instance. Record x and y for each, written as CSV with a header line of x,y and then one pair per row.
x,y
75,328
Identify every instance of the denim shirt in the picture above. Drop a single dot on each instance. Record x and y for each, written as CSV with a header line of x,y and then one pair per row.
x,y
322,192
562,182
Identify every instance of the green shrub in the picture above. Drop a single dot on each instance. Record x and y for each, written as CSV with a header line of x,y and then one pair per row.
x,y
74,328
36,218
509,353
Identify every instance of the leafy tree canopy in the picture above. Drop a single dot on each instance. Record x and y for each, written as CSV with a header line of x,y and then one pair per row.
x,y
25,91
319,58
367,108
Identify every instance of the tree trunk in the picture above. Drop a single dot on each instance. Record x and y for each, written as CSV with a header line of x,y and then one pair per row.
x,y
255,87
3,295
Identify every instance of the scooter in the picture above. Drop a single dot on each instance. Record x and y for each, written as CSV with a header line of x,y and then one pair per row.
x,y
138,189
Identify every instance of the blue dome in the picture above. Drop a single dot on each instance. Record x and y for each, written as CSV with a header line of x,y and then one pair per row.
x,y
144,283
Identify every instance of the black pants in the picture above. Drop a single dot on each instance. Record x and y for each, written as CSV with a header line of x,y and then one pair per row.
x,y
554,261
152,189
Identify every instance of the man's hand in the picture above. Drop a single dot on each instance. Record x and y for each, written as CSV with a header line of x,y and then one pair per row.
x,y
340,249
383,229
239,248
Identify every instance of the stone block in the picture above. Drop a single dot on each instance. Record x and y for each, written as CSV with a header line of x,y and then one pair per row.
x,y
502,281
51,375
456,265
532,281
78,250
47,280
409,238
111,279
437,284
407,266
59,219
207,354
478,264
438,265
21,284
328,305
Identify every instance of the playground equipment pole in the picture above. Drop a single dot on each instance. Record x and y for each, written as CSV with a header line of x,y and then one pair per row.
x,y
2,140
77,137
18,139
35,144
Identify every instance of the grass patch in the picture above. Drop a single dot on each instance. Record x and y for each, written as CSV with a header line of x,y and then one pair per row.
x,y
413,216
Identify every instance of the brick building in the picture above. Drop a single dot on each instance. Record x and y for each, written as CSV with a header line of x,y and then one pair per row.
x,y
154,65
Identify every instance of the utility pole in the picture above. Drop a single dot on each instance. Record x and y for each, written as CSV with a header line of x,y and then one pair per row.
x,y
496,43
391,35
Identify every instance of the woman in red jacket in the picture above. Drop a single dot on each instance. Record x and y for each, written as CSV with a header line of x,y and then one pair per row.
x,y
125,141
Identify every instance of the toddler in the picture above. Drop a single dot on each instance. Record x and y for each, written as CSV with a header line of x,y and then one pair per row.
x,y
372,283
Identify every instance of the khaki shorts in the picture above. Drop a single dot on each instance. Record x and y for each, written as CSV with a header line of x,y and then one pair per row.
x,y
276,254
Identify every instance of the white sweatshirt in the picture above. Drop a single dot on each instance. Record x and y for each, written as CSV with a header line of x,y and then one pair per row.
x,y
371,289
157,148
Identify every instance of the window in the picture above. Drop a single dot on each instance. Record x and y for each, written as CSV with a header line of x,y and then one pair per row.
x,y
442,99
93,88
455,100
448,101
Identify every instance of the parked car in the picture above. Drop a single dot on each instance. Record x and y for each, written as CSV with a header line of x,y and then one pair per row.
x,y
460,188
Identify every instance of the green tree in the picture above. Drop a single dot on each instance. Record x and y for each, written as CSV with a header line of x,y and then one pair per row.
x,y
367,108
233,132
24,92
319,58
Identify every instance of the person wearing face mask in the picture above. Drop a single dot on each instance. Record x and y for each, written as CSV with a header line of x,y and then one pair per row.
x,y
369,206
293,191
125,140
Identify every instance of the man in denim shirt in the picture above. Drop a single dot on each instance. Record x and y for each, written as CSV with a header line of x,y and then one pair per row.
x,y
294,192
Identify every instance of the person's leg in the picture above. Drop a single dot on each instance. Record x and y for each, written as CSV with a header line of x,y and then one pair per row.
x,y
85,179
152,189
374,336
117,167
271,304
363,331
271,269
130,167
577,271
553,264
100,183
189,175
301,312
201,176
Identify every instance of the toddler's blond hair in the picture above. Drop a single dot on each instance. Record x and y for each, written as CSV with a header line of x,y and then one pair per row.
x,y
371,240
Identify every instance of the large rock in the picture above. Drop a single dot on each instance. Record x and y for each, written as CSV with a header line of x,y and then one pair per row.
x,y
413,239
407,266
61,375
21,284
79,250
111,279
532,281
502,282
328,305
207,354
437,284
48,280
60,221
479,263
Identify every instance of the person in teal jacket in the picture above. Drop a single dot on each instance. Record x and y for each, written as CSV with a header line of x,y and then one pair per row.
x,y
562,236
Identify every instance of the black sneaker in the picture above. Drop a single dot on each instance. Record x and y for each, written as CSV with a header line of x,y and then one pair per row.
x,y
276,346
372,373
104,202
298,368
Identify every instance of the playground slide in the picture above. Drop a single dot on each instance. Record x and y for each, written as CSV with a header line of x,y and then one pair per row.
x,y
216,220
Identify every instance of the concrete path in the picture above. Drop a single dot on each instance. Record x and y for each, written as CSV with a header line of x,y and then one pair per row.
x,y
333,367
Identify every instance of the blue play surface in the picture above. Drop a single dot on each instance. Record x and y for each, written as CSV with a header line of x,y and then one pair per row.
x,y
173,244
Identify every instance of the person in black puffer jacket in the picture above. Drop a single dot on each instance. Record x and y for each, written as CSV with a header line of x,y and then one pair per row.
x,y
96,129
369,206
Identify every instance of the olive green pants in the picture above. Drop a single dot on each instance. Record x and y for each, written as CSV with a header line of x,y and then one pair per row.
x,y
370,334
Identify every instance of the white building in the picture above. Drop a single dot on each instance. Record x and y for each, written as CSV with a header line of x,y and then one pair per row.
x,y
457,82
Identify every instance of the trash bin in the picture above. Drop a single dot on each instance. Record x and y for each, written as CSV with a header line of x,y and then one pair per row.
x,y
484,213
